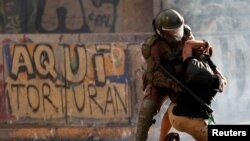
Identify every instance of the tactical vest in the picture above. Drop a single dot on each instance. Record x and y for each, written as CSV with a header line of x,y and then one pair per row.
x,y
171,56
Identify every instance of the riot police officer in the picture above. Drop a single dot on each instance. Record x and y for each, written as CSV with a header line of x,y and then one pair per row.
x,y
161,50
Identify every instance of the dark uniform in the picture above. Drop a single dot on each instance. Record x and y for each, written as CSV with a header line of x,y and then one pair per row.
x,y
202,77
159,50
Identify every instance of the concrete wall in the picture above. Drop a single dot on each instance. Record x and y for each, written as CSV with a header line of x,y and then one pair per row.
x,y
75,16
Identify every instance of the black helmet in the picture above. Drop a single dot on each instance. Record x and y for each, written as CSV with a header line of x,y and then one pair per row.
x,y
169,20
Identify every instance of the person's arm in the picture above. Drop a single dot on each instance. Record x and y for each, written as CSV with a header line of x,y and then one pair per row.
x,y
222,80
189,45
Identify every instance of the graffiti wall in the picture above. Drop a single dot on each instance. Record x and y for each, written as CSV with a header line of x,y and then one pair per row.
x,y
82,83
73,16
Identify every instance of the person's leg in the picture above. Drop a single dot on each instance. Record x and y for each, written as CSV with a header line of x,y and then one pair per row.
x,y
145,119
196,127
147,111
165,123
165,126
150,106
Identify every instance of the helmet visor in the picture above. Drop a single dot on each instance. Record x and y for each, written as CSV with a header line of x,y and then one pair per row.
x,y
176,33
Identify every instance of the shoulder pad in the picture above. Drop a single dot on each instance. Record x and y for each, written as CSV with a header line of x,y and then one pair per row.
x,y
146,46
151,40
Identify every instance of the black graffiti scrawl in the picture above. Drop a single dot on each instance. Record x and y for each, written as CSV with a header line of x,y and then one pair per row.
x,y
77,16
15,16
